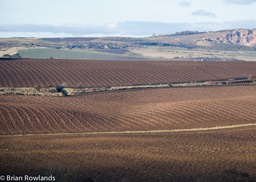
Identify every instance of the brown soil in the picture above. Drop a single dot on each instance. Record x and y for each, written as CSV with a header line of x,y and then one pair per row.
x,y
151,109
191,156
32,72
214,155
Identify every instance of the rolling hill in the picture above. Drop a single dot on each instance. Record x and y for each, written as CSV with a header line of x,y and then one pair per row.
x,y
151,109
75,73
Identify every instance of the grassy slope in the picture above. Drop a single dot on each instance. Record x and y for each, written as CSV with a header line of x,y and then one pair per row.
x,y
46,53
148,54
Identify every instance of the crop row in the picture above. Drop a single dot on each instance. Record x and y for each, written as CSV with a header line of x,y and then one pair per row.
x,y
74,73
159,109
219,156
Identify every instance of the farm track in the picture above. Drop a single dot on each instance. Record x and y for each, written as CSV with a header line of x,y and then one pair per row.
x,y
173,109
74,73
146,131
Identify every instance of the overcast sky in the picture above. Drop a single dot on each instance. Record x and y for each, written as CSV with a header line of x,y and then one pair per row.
x,y
122,17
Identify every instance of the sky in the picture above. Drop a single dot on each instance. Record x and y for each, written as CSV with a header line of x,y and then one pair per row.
x,y
62,18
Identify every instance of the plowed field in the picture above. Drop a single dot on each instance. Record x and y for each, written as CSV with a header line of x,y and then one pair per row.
x,y
167,134
222,154
32,72
225,155
151,109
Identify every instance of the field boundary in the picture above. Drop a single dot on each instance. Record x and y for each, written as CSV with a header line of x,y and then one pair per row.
x,y
141,131
206,83
71,91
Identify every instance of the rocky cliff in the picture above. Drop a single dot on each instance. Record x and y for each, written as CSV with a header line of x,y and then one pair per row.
x,y
242,37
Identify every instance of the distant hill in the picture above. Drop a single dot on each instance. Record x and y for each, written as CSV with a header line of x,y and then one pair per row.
x,y
236,44
237,38
242,37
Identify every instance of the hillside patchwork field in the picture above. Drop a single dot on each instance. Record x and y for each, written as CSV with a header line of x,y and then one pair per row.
x,y
225,45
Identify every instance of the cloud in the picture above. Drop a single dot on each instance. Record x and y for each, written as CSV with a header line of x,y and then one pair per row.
x,y
74,29
184,3
202,12
215,26
129,28
240,2
149,28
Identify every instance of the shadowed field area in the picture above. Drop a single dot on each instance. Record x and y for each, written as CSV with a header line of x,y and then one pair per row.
x,y
223,155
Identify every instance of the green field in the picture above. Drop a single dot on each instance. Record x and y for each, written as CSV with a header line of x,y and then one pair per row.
x,y
46,53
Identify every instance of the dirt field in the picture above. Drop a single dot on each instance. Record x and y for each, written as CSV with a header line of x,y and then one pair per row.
x,y
32,72
168,134
151,109
223,155
221,148
10,51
